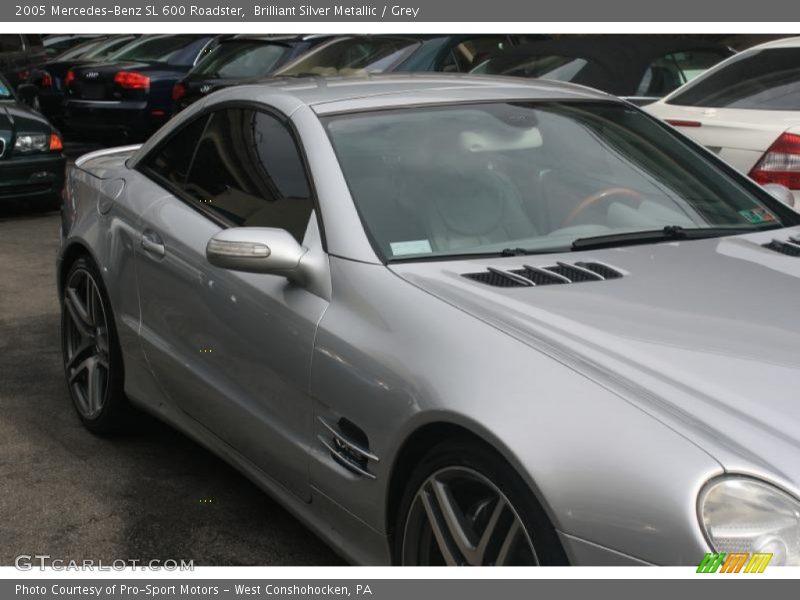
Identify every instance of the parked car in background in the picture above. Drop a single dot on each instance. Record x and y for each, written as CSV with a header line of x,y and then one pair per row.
x,y
450,320
240,59
362,54
31,160
639,68
129,95
49,77
746,110
56,44
17,53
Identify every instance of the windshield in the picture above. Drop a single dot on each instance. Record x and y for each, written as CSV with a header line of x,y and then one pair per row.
x,y
242,59
107,48
482,178
77,51
549,66
763,79
352,56
154,49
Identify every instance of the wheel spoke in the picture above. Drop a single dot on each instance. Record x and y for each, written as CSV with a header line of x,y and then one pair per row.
x,y
439,530
101,339
88,293
82,366
94,388
78,313
491,530
508,544
81,353
458,527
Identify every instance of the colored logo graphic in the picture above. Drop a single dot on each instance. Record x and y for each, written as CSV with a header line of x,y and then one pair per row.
x,y
736,562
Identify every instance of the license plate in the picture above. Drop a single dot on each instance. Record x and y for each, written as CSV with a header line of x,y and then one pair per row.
x,y
93,91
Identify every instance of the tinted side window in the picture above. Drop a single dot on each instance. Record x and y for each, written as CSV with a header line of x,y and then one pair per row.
x,y
470,53
766,79
671,71
172,160
248,169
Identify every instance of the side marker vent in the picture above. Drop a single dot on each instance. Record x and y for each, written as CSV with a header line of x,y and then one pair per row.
x,y
558,274
349,446
790,247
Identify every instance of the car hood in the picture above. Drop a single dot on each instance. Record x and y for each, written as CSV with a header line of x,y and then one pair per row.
x,y
702,334
20,118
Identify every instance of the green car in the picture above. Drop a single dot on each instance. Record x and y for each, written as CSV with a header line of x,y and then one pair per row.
x,y
32,163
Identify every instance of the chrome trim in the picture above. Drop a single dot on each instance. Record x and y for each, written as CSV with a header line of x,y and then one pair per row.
x,y
350,445
792,243
512,277
547,272
337,456
602,264
582,270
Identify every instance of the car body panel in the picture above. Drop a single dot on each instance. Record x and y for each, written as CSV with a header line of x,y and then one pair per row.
x,y
615,401
740,136
197,85
617,64
35,176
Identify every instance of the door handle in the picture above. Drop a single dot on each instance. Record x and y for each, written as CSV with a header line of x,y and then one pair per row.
x,y
152,243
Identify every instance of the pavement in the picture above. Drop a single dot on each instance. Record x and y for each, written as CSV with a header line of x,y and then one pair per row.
x,y
151,494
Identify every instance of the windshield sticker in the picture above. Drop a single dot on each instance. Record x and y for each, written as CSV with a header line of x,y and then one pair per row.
x,y
757,215
411,247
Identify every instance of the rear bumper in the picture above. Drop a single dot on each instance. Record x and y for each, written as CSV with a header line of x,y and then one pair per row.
x,y
32,177
51,105
134,120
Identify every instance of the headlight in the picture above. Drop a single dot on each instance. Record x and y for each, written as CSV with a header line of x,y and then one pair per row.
x,y
740,514
36,142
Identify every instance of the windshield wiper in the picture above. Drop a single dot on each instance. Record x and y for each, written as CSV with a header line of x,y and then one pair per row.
x,y
471,255
665,234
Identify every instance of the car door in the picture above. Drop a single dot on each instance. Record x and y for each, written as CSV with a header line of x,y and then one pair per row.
x,y
231,350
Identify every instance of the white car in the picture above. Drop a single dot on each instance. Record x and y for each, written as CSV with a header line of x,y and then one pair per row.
x,y
747,110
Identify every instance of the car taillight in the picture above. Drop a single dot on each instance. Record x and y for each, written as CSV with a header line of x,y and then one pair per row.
x,y
781,163
683,123
131,80
178,91
56,145
69,78
23,75
46,80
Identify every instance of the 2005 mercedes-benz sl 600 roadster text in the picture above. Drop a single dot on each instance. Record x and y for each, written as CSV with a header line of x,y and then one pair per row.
x,y
451,319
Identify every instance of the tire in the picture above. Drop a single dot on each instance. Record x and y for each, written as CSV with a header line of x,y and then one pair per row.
x,y
91,354
471,482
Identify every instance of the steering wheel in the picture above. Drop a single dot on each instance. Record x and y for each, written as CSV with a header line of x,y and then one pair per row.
x,y
622,193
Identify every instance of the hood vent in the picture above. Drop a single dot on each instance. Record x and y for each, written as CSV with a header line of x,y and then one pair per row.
x,y
790,247
560,273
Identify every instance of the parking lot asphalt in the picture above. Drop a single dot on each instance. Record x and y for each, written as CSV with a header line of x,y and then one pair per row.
x,y
151,494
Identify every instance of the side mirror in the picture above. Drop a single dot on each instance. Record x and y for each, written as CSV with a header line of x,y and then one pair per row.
x,y
781,192
256,250
27,93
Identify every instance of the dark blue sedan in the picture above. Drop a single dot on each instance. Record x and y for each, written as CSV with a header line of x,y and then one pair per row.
x,y
129,96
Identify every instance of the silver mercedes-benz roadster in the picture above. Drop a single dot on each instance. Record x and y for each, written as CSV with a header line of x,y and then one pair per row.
x,y
451,320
